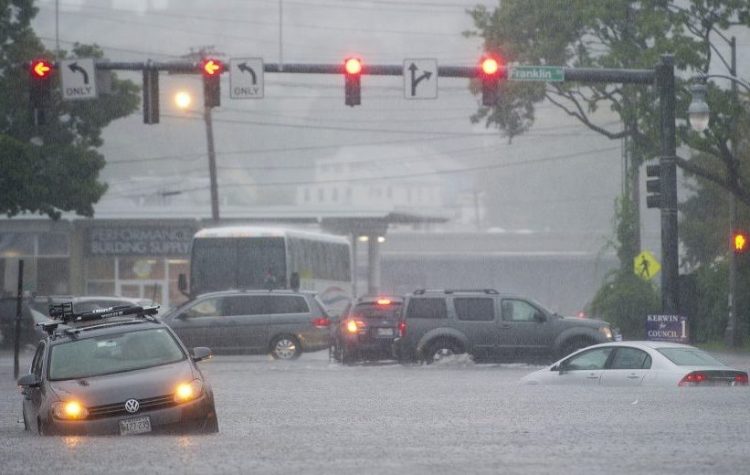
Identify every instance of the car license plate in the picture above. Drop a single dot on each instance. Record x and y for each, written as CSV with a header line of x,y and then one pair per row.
x,y
385,331
138,425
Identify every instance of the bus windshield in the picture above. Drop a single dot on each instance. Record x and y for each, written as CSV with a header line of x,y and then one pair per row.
x,y
237,263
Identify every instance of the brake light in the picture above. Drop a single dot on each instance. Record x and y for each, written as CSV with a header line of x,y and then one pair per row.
x,y
322,322
384,301
354,326
741,379
402,328
692,378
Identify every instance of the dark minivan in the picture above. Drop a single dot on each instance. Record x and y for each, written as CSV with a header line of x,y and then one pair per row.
x,y
282,323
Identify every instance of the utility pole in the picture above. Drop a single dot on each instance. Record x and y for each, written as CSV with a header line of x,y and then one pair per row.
x,y
199,55
211,164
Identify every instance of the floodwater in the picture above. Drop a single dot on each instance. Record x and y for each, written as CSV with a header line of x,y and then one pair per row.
x,y
316,416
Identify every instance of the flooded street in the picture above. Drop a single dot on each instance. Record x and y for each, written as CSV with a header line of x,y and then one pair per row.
x,y
316,416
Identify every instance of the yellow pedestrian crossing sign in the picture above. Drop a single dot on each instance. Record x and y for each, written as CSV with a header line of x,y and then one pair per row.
x,y
645,265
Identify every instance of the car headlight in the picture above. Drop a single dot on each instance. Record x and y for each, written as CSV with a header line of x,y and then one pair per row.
x,y
607,332
188,391
69,410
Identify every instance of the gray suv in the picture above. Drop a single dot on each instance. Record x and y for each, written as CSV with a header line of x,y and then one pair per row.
x,y
283,323
489,325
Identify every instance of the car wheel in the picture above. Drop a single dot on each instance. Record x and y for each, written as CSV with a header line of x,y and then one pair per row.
x,y
41,428
285,347
572,345
347,355
212,424
441,350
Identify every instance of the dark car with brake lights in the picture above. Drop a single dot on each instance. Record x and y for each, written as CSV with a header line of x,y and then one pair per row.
x,y
367,330
118,370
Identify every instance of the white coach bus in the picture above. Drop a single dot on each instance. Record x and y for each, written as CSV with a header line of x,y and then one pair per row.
x,y
251,257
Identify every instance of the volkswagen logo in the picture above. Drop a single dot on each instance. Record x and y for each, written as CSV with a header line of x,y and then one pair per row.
x,y
132,406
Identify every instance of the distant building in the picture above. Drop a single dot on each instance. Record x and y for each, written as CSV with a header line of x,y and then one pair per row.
x,y
385,176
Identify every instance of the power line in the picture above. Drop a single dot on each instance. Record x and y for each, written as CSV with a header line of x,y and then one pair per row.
x,y
406,176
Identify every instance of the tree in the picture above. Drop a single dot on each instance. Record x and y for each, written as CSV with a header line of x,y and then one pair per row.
x,y
52,168
625,299
614,34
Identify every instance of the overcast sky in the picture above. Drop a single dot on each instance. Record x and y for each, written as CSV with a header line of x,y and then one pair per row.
x,y
558,175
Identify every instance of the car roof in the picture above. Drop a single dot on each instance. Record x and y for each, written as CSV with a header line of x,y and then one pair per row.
x,y
226,293
68,332
447,292
643,344
376,300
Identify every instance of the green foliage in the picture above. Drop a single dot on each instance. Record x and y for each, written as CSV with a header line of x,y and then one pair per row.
x,y
625,301
627,230
55,167
621,34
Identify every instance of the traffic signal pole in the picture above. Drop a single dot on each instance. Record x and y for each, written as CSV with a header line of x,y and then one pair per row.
x,y
662,77
212,164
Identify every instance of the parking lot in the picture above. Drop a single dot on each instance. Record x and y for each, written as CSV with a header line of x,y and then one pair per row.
x,y
316,416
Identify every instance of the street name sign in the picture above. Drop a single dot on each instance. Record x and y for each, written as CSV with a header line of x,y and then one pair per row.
x,y
537,73
78,79
420,78
246,78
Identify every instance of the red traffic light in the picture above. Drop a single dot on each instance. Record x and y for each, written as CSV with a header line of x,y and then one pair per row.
x,y
739,242
353,66
41,68
212,67
490,66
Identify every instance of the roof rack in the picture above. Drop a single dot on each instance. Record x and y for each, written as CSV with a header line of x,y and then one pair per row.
x,y
64,312
455,291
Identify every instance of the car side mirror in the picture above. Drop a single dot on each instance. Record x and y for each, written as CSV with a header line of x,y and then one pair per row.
x,y
201,353
29,381
539,317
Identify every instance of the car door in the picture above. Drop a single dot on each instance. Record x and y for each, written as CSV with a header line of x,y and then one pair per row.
x,y
288,314
476,318
584,368
32,396
627,367
524,328
247,319
203,324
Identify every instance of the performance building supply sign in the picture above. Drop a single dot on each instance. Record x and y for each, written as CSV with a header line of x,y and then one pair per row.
x,y
139,241
667,328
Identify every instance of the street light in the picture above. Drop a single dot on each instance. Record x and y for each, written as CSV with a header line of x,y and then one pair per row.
x,y
183,99
698,112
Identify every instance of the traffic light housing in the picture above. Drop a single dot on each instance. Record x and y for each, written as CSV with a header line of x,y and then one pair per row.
x,y
352,75
211,70
654,186
490,72
40,79
150,96
740,242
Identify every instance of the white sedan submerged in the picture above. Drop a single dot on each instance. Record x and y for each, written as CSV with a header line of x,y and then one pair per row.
x,y
634,363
